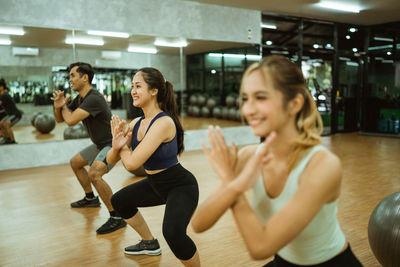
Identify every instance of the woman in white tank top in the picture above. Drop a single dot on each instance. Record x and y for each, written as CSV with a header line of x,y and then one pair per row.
x,y
296,181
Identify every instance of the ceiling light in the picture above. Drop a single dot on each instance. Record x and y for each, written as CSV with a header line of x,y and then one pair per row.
x,y
380,47
350,63
354,49
352,29
328,46
12,30
84,40
383,39
138,49
253,57
181,43
109,34
388,53
316,46
5,42
269,42
213,71
339,6
280,52
348,37
268,26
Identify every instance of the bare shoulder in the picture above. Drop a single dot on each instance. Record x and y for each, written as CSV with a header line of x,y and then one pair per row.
x,y
133,122
164,121
325,168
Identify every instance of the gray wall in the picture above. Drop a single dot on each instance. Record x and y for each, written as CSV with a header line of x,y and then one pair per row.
x,y
40,66
168,18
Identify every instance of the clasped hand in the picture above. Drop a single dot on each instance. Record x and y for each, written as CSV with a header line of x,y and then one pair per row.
x,y
59,99
120,132
222,158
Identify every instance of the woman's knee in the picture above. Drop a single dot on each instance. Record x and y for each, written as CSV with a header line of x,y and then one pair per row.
x,y
122,206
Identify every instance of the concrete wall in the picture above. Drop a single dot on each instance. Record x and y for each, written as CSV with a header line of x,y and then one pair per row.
x,y
168,18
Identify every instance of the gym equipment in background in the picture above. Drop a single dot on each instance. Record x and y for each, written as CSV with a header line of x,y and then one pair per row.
x,y
384,231
44,123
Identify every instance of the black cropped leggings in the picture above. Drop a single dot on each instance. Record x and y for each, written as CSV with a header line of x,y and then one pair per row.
x,y
177,188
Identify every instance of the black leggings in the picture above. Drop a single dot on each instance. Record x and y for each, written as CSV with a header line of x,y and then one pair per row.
x,y
177,188
344,259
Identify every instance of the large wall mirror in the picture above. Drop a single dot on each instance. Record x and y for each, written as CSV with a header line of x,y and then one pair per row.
x,y
35,61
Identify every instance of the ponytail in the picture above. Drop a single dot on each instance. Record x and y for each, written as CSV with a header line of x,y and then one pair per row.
x,y
168,104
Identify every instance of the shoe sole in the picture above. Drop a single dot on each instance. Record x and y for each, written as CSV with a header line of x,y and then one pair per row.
x,y
144,252
88,206
111,230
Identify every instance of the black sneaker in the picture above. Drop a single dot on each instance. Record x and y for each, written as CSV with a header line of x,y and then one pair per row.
x,y
84,202
111,225
144,247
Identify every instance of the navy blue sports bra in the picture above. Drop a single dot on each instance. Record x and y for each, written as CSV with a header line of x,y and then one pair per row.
x,y
165,155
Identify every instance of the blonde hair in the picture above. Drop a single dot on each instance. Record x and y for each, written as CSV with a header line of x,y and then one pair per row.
x,y
287,77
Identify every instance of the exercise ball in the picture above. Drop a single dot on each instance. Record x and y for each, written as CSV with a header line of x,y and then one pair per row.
x,y
73,132
225,113
230,101
201,100
232,114
35,114
193,99
139,171
190,110
384,231
205,112
82,131
217,112
238,115
238,101
196,111
211,103
45,123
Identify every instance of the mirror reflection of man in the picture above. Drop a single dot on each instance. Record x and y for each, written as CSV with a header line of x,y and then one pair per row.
x,y
90,107
9,113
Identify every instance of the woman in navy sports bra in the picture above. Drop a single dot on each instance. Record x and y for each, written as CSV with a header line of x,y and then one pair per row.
x,y
154,141
295,180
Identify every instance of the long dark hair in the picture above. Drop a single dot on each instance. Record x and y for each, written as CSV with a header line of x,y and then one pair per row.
x,y
165,98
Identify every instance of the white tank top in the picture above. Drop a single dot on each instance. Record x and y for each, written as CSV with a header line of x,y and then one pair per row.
x,y
321,240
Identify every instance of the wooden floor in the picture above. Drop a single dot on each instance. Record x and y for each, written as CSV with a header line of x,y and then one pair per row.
x,y
38,228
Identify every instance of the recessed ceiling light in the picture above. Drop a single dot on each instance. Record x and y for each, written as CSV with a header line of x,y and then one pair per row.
x,y
352,29
12,30
354,49
138,49
268,26
5,42
383,39
348,37
339,6
84,40
269,42
179,43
